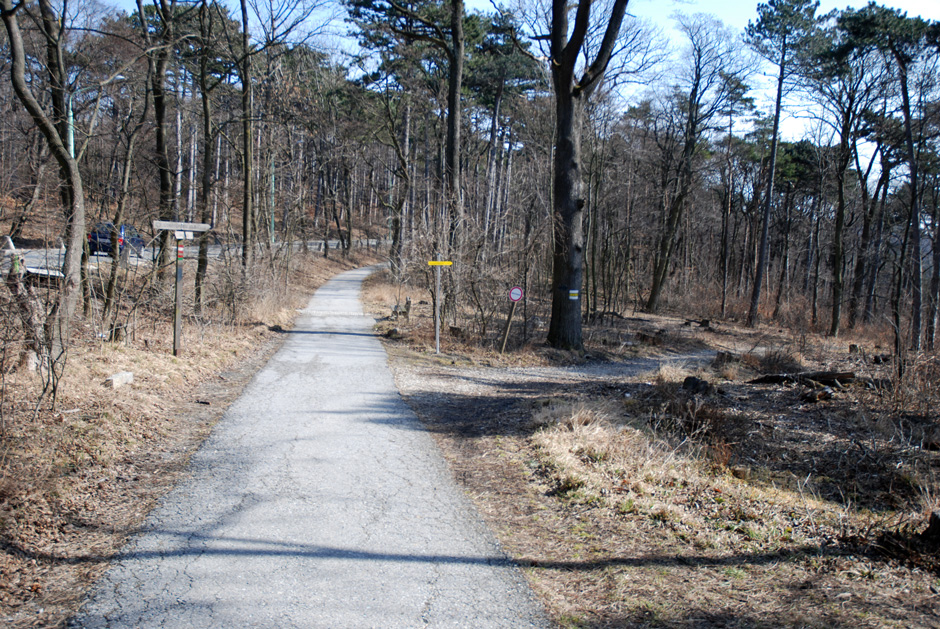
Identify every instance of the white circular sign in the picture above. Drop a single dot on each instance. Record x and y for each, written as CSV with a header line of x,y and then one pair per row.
x,y
515,293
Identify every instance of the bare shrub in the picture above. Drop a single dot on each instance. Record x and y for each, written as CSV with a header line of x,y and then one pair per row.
x,y
774,360
670,374
729,370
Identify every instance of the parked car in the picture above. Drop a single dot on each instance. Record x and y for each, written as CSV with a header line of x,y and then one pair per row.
x,y
99,239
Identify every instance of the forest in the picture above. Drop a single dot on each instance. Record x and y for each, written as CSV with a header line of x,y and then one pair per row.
x,y
582,155
769,197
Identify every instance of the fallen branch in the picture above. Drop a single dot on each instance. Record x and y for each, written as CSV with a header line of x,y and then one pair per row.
x,y
809,378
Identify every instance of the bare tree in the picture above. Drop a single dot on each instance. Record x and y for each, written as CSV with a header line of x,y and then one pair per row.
x,y
780,27
713,77
845,86
571,91
55,130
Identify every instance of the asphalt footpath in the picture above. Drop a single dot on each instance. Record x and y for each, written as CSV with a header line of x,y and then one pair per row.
x,y
318,501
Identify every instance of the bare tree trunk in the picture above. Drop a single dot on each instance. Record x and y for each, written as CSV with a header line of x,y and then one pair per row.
x,y
178,171
193,168
158,58
248,216
565,327
753,315
402,172
934,295
869,312
564,331
815,308
838,236
206,23
37,158
491,162
57,325
869,217
785,263
915,226
121,206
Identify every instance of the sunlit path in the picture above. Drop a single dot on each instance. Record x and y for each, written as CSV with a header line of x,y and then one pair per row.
x,y
318,501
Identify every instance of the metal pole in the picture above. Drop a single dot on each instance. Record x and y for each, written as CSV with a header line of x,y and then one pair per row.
x,y
437,307
178,307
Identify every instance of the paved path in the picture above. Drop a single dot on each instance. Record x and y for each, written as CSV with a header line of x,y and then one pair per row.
x,y
318,501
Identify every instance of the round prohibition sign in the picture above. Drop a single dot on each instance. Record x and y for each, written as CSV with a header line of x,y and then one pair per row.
x,y
515,293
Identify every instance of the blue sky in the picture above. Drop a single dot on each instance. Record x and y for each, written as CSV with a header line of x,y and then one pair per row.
x,y
735,13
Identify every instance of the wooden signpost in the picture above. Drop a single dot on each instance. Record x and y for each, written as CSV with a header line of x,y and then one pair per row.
x,y
183,232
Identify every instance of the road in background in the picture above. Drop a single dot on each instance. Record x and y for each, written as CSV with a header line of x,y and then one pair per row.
x,y
51,260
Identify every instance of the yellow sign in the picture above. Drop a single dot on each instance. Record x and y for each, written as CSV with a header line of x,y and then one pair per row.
x,y
439,263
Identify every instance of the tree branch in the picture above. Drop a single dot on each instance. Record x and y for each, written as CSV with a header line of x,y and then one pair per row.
x,y
592,76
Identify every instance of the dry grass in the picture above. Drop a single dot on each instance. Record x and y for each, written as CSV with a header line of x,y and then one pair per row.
x,y
600,456
76,479
634,482
774,361
634,502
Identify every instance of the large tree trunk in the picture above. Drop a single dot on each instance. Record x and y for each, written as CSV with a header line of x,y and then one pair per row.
x,y
838,255
568,243
568,256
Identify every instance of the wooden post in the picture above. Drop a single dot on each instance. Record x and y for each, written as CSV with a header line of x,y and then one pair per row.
x,y
182,231
512,311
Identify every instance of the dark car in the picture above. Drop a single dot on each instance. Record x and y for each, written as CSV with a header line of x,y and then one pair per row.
x,y
99,239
